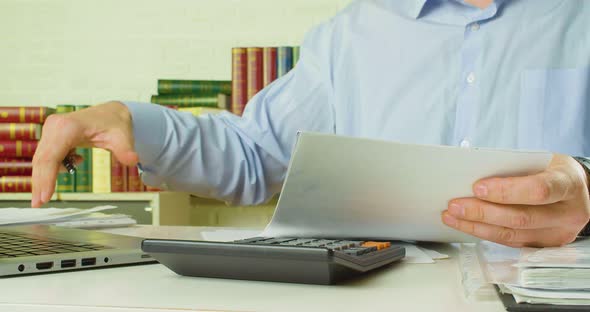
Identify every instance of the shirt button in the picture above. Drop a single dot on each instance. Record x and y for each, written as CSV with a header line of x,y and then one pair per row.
x,y
471,78
465,144
475,27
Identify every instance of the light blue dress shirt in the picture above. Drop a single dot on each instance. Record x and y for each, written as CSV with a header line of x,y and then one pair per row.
x,y
514,75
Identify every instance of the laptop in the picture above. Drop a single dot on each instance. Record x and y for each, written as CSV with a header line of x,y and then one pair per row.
x,y
35,249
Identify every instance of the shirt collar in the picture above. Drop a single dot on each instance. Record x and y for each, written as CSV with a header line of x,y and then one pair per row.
x,y
410,8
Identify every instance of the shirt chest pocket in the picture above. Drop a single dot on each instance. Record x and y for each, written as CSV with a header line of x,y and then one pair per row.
x,y
554,111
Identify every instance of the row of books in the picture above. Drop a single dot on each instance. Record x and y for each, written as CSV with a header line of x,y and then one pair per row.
x,y
253,68
20,131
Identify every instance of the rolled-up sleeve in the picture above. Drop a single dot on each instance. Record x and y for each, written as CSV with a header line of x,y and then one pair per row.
x,y
241,160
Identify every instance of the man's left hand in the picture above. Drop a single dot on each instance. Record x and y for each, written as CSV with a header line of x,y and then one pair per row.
x,y
545,209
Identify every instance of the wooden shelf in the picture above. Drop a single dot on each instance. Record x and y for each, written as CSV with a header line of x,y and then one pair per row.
x,y
139,196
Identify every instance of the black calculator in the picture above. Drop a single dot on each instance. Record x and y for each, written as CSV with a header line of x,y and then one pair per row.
x,y
278,259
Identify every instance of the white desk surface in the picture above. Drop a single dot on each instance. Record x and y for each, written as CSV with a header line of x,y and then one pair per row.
x,y
151,288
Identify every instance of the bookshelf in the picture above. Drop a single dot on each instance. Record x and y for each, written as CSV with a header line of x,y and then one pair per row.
x,y
158,208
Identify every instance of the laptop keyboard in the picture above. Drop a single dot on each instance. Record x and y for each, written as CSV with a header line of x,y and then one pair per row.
x,y
24,245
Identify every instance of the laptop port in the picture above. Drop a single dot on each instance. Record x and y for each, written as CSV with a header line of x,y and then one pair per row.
x,y
68,263
88,261
44,265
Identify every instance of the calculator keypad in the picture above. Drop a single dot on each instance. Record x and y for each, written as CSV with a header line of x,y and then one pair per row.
x,y
350,247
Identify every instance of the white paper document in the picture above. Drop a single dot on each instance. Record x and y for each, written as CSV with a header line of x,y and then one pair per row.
x,y
343,187
21,216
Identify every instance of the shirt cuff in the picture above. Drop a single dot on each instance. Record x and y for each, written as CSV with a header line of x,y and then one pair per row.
x,y
149,131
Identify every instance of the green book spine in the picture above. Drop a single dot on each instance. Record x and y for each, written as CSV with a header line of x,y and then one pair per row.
x,y
66,182
84,169
188,100
295,55
200,87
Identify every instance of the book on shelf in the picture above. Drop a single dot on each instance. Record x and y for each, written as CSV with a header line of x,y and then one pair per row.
x,y
198,87
20,131
191,100
101,171
199,111
15,184
239,86
66,182
21,114
284,60
134,183
269,65
16,167
84,171
253,72
17,149
295,55
118,176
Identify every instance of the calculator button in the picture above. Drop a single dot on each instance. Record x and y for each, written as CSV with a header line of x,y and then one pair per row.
x,y
250,240
379,245
275,240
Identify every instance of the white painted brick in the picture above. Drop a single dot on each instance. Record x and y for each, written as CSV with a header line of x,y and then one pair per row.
x,y
77,51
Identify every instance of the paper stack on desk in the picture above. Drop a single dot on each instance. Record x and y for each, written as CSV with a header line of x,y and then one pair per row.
x,y
557,275
66,217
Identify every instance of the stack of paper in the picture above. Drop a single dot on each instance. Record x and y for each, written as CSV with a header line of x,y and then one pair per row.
x,y
557,275
67,217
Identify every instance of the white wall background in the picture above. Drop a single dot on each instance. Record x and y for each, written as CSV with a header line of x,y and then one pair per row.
x,y
90,51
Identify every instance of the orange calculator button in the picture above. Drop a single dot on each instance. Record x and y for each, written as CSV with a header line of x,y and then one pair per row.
x,y
379,245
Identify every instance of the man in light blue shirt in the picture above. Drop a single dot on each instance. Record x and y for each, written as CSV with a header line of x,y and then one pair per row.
x,y
502,74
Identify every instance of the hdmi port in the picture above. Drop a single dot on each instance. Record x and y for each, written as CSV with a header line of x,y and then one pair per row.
x,y
88,261
68,263
44,265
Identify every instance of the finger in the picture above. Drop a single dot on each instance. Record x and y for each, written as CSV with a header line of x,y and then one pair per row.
x,y
51,150
511,216
507,236
547,187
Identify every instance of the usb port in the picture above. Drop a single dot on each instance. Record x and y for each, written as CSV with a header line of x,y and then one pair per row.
x,y
44,265
88,261
68,263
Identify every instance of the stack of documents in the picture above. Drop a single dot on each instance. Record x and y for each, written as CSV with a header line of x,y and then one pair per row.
x,y
66,217
557,275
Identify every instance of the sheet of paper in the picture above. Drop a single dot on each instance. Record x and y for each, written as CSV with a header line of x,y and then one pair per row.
x,y
574,255
15,216
342,187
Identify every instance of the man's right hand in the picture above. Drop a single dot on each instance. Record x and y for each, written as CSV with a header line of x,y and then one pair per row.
x,y
106,126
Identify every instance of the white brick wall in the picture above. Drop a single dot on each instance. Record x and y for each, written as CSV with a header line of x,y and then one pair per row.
x,y
91,51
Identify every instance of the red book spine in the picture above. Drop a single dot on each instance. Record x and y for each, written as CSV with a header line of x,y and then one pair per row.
x,y
239,85
254,71
134,183
118,176
15,167
15,184
269,65
17,148
24,114
20,131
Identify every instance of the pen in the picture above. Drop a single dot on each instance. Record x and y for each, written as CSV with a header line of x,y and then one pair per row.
x,y
68,162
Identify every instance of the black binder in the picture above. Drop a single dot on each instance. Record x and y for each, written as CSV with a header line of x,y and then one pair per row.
x,y
512,306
